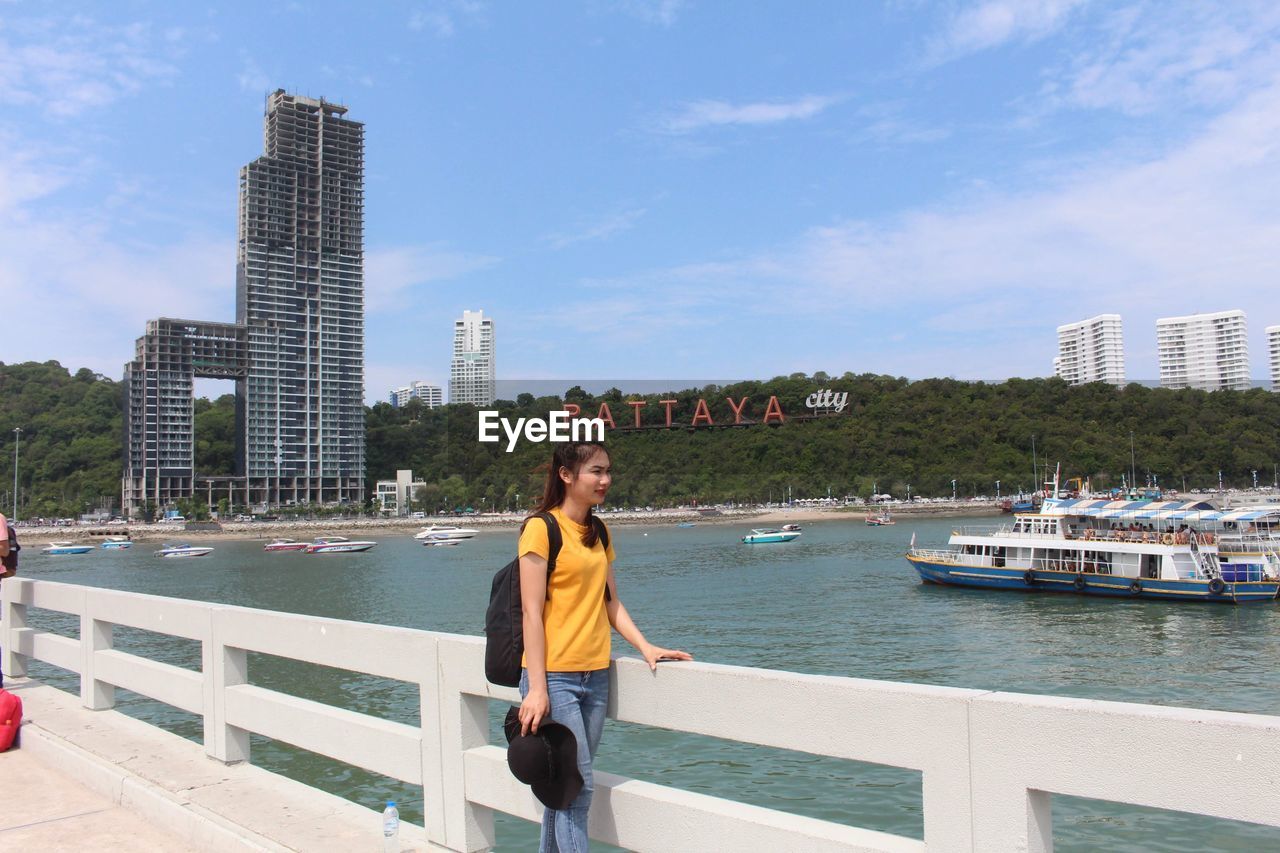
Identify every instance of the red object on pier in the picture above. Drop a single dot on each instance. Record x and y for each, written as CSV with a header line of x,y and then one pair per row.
x,y
10,718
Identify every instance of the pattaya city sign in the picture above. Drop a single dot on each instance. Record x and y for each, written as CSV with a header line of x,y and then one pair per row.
x,y
731,412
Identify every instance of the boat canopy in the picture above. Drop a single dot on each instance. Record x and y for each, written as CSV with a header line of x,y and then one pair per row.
x,y
1158,510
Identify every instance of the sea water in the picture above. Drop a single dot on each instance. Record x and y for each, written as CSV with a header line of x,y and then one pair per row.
x,y
841,600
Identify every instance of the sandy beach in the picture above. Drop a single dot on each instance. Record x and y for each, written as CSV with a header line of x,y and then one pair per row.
x,y
306,530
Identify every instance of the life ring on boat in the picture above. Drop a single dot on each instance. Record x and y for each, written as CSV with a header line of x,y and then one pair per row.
x,y
1078,583
1166,539
1217,586
1029,577
1135,587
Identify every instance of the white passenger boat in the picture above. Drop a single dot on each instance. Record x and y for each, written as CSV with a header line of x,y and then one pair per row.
x,y
184,550
116,543
767,535
286,545
1170,550
65,548
337,545
445,532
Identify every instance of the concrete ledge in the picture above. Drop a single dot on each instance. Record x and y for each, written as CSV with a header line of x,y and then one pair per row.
x,y
174,786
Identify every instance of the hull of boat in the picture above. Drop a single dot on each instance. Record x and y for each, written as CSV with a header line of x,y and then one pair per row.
x,y
189,552
1089,583
769,539
340,547
70,549
289,546
115,546
459,533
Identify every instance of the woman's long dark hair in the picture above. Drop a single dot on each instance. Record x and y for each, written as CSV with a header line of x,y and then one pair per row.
x,y
572,455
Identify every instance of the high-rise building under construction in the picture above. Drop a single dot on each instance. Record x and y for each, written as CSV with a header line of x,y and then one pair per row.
x,y
297,346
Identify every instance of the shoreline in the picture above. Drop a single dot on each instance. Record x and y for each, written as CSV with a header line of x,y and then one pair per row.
x,y
309,529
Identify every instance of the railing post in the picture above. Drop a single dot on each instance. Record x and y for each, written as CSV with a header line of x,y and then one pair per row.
x,y
13,618
464,724
95,635
430,711
224,666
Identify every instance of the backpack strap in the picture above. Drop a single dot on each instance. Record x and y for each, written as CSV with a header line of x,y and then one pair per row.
x,y
602,532
554,542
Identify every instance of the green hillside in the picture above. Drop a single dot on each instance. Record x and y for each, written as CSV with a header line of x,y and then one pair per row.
x,y
894,433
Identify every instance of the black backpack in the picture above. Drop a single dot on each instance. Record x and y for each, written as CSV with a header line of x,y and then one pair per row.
x,y
504,618
11,561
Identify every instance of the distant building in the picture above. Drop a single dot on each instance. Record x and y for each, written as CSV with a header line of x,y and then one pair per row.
x,y
1205,351
431,396
1273,351
1091,351
394,497
472,374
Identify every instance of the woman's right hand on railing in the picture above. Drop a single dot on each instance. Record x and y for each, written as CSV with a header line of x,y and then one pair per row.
x,y
535,707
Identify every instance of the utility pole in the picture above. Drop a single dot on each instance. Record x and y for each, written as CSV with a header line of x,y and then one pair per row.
x,y
1133,467
953,490
17,437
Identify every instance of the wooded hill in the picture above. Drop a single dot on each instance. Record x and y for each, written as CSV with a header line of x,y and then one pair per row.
x,y
893,433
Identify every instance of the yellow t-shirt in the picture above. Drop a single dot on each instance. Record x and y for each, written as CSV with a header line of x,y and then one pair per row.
x,y
573,617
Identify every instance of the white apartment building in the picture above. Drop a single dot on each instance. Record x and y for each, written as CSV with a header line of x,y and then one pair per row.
x,y
431,396
472,374
394,497
1273,352
1091,351
1205,351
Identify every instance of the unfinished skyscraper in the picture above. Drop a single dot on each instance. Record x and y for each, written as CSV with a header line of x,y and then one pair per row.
x,y
296,351
300,294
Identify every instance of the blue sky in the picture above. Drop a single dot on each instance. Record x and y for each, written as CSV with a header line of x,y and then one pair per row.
x,y
663,189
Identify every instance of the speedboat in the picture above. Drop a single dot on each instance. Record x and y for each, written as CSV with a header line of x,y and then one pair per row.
x,y
184,550
445,531
685,524
764,535
879,519
65,548
337,545
115,543
285,545
441,541
1150,549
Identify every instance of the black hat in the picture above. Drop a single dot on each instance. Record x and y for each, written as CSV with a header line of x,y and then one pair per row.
x,y
547,762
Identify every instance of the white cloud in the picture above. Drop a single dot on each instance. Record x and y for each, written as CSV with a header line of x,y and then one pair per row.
x,y
662,12
251,77
699,115
443,17
1144,59
992,23
66,67
602,230
391,272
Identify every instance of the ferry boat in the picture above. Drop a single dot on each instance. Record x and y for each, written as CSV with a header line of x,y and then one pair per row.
x,y
285,545
184,550
65,548
445,531
116,543
337,545
879,518
766,535
1146,549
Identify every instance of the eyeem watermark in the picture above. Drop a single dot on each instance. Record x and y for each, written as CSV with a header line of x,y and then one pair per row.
x,y
558,426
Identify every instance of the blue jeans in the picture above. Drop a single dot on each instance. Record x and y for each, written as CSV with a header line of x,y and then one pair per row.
x,y
578,700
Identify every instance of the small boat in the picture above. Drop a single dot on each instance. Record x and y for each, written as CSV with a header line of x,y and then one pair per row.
x,y
183,550
879,519
285,545
441,541
764,535
115,543
65,548
686,524
337,545
445,532
791,528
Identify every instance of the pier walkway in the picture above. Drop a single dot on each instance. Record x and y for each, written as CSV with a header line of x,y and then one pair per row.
x,y
990,763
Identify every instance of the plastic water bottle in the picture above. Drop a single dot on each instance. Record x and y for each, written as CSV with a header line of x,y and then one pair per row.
x,y
390,828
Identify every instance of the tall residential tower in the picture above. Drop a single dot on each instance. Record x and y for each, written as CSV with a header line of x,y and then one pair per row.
x,y
1205,351
1273,354
1091,351
300,294
472,375
296,350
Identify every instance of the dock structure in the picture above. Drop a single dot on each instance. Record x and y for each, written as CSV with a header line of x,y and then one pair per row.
x,y
990,762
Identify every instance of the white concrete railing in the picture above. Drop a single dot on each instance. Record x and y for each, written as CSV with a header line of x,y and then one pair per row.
x,y
989,761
